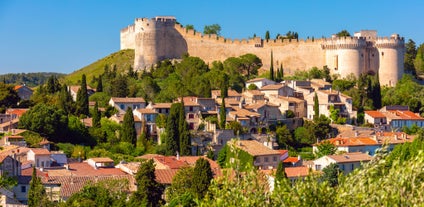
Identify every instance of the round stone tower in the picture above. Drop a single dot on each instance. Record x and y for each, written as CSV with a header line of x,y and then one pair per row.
x,y
391,54
345,55
156,39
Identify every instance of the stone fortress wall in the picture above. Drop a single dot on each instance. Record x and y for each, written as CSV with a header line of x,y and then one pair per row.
x,y
162,38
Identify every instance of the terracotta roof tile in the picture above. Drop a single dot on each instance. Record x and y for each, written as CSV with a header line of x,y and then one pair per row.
x,y
375,114
165,176
272,87
291,160
147,111
128,100
40,151
292,172
254,148
101,159
351,157
17,111
162,105
255,80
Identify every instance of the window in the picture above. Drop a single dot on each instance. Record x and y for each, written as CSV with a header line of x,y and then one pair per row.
x,y
191,108
136,106
274,158
122,106
191,126
342,167
266,159
258,159
317,167
352,166
23,189
191,116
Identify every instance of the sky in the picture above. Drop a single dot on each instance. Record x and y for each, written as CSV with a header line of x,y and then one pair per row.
x,y
66,35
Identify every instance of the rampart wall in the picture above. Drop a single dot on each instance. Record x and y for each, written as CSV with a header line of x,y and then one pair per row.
x,y
162,38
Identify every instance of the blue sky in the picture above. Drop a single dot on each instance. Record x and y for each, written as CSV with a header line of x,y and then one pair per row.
x,y
64,35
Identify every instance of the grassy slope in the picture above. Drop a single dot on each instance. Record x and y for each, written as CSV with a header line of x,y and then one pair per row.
x,y
123,59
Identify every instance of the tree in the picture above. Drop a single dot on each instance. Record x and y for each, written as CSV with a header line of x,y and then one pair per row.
x,y
128,133
65,100
45,120
250,63
212,29
52,85
343,33
284,137
222,114
8,96
202,176
120,86
331,174
149,191
182,182
184,133
304,135
189,27
99,84
325,148
267,36
96,116
271,69
37,196
316,106
419,60
172,138
410,54
82,98
252,87
280,174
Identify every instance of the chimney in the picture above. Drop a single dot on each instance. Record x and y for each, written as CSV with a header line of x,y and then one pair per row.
x,y
356,133
178,155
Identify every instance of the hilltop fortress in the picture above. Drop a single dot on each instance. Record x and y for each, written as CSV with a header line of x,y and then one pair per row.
x,y
162,38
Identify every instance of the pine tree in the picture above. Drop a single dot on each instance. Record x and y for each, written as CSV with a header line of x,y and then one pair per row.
x,y
271,69
149,191
281,173
96,116
128,133
184,133
100,84
202,177
222,115
316,107
82,98
37,196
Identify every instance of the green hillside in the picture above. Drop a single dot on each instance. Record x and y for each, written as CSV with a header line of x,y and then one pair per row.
x,y
122,59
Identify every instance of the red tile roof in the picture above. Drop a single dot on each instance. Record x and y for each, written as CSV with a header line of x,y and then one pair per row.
x,y
40,151
292,172
101,159
375,114
128,100
254,148
352,141
272,87
165,176
291,160
351,157
283,152
17,111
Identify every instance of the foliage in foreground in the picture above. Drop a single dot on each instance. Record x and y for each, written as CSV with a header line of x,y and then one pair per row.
x,y
399,184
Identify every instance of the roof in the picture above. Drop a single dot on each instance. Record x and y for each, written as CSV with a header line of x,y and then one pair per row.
x,y
84,169
189,101
403,115
272,87
255,80
282,152
352,141
147,111
254,148
291,160
101,159
301,171
230,92
76,88
3,157
40,151
164,176
255,92
21,86
351,157
244,113
128,100
375,114
17,111
162,105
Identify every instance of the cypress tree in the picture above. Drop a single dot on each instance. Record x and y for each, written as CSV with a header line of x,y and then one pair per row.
x,y
128,133
271,69
281,173
376,95
37,194
267,36
149,191
96,116
202,177
184,133
316,107
172,130
281,72
65,100
224,85
82,97
222,115
99,84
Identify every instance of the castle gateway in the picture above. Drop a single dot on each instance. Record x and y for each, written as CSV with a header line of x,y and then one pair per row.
x,y
162,38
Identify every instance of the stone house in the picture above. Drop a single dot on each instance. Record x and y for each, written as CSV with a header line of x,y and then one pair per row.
x,y
148,121
24,92
277,90
122,104
347,162
326,98
231,94
9,166
264,157
285,103
270,114
73,90
253,96
40,157
260,82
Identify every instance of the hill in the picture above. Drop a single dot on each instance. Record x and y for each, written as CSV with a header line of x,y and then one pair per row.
x,y
122,59
30,79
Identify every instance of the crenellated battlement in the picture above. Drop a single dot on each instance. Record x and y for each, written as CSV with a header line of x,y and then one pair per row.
x,y
161,37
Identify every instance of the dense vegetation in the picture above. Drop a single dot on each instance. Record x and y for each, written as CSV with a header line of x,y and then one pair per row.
x,y
29,79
